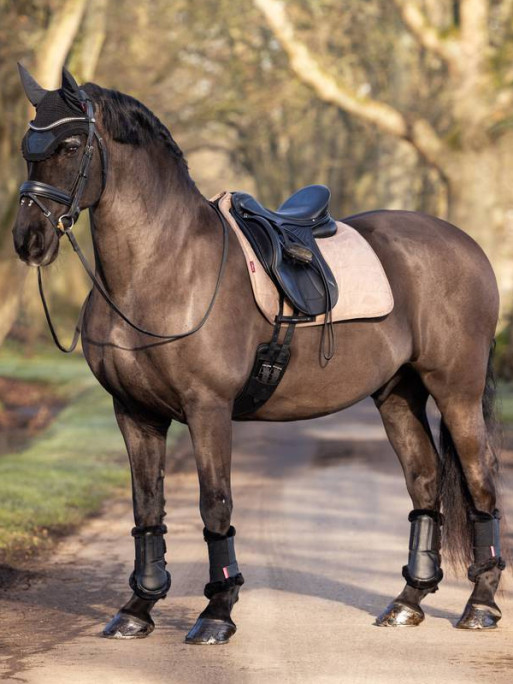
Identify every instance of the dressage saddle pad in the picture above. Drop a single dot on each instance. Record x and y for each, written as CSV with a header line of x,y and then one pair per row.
x,y
363,287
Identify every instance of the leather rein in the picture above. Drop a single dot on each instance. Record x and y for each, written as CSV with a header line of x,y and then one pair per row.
x,y
34,190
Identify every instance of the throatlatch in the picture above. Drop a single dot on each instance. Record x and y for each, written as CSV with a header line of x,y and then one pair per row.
x,y
423,570
486,544
224,570
150,580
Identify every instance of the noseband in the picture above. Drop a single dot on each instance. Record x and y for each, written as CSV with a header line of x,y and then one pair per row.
x,y
34,190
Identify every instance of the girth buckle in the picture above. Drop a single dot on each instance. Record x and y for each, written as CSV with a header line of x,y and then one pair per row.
x,y
269,373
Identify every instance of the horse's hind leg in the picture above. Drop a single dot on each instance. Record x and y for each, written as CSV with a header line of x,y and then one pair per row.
x,y
210,425
402,405
460,401
146,445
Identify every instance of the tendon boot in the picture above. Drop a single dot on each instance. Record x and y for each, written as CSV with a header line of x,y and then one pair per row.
x,y
423,570
481,611
422,574
150,580
214,625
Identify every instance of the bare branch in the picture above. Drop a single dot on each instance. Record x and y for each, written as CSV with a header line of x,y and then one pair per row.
x,y
426,34
93,36
506,11
56,43
474,30
307,68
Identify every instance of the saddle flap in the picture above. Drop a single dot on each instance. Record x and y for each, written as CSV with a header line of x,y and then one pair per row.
x,y
290,255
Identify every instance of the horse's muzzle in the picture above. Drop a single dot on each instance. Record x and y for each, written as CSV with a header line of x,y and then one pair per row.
x,y
36,245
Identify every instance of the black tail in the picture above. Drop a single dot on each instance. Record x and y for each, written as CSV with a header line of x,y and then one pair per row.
x,y
454,496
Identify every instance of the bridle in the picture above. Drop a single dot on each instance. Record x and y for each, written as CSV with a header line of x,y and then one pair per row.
x,y
63,225
36,189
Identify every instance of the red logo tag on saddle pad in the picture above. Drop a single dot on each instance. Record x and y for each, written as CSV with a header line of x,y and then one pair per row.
x,y
252,266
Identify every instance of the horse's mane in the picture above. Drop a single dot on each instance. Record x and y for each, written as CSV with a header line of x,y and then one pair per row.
x,y
130,122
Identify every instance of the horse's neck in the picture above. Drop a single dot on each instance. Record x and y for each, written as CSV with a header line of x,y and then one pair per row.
x,y
147,221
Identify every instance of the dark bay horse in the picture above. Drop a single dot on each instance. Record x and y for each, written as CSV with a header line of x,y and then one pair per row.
x,y
159,250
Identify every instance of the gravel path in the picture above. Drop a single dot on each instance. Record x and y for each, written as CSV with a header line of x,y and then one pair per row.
x,y
321,513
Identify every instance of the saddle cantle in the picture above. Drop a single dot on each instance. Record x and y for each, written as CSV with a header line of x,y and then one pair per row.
x,y
285,243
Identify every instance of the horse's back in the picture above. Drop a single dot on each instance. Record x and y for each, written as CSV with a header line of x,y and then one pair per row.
x,y
431,262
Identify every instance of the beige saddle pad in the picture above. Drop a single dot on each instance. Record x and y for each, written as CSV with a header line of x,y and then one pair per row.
x,y
364,290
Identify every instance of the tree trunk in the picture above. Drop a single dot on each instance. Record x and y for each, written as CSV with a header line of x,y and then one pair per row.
x,y
52,51
481,203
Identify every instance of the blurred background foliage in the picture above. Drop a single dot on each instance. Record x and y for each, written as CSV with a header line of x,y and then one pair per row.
x,y
392,104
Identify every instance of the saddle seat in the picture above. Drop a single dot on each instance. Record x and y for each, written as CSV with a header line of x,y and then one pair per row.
x,y
285,244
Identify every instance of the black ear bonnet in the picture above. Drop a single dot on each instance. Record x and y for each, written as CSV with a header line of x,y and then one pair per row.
x,y
59,114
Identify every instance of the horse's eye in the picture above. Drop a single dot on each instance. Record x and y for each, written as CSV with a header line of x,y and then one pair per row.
x,y
69,148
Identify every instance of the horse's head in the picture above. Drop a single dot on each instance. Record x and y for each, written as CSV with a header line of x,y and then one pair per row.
x,y
64,176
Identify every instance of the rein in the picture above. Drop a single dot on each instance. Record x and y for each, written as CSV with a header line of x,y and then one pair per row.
x,y
64,226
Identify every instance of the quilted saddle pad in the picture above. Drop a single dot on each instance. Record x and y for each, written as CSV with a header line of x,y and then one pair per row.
x,y
364,290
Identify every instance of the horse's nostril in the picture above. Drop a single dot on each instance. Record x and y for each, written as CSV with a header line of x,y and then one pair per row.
x,y
35,243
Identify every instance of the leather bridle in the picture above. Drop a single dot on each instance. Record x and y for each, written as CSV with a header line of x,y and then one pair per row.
x,y
34,190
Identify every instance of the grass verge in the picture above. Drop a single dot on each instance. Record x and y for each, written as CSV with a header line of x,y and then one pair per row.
x,y
67,472
505,403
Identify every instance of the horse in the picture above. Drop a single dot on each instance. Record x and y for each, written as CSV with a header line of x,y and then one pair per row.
x,y
170,330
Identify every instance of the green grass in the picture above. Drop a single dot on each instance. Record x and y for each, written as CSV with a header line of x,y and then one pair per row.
x,y
505,402
67,472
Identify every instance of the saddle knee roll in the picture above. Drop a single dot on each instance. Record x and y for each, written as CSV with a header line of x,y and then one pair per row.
x,y
423,570
223,567
150,580
486,544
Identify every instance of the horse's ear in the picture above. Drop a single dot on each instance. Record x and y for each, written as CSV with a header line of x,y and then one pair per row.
x,y
68,82
33,90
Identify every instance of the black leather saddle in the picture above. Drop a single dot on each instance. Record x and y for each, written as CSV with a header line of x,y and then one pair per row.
x,y
285,243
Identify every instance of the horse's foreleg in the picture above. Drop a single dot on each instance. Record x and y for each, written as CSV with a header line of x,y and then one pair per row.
x,y
211,430
403,411
150,581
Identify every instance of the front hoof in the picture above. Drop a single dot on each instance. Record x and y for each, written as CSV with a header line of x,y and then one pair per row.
x,y
210,631
479,617
126,626
400,615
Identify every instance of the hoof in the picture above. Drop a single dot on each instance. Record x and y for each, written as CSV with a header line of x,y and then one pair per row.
x,y
400,615
479,617
126,626
210,631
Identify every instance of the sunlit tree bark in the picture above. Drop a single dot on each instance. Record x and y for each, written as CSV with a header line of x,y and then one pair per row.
x,y
52,50
473,153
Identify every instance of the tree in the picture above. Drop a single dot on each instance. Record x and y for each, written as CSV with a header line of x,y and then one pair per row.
x,y
468,139
54,37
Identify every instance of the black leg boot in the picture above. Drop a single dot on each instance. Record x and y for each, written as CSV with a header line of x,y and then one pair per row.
x,y
150,581
422,574
214,625
481,611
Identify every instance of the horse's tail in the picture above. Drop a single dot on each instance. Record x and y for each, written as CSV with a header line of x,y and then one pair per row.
x,y
454,495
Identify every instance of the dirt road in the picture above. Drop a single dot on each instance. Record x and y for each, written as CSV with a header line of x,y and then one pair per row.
x,y
321,513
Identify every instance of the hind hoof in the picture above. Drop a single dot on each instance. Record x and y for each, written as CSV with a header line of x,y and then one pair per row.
x,y
400,615
479,617
210,631
126,626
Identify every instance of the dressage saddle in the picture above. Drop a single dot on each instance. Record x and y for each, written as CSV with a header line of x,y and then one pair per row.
x,y
285,243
